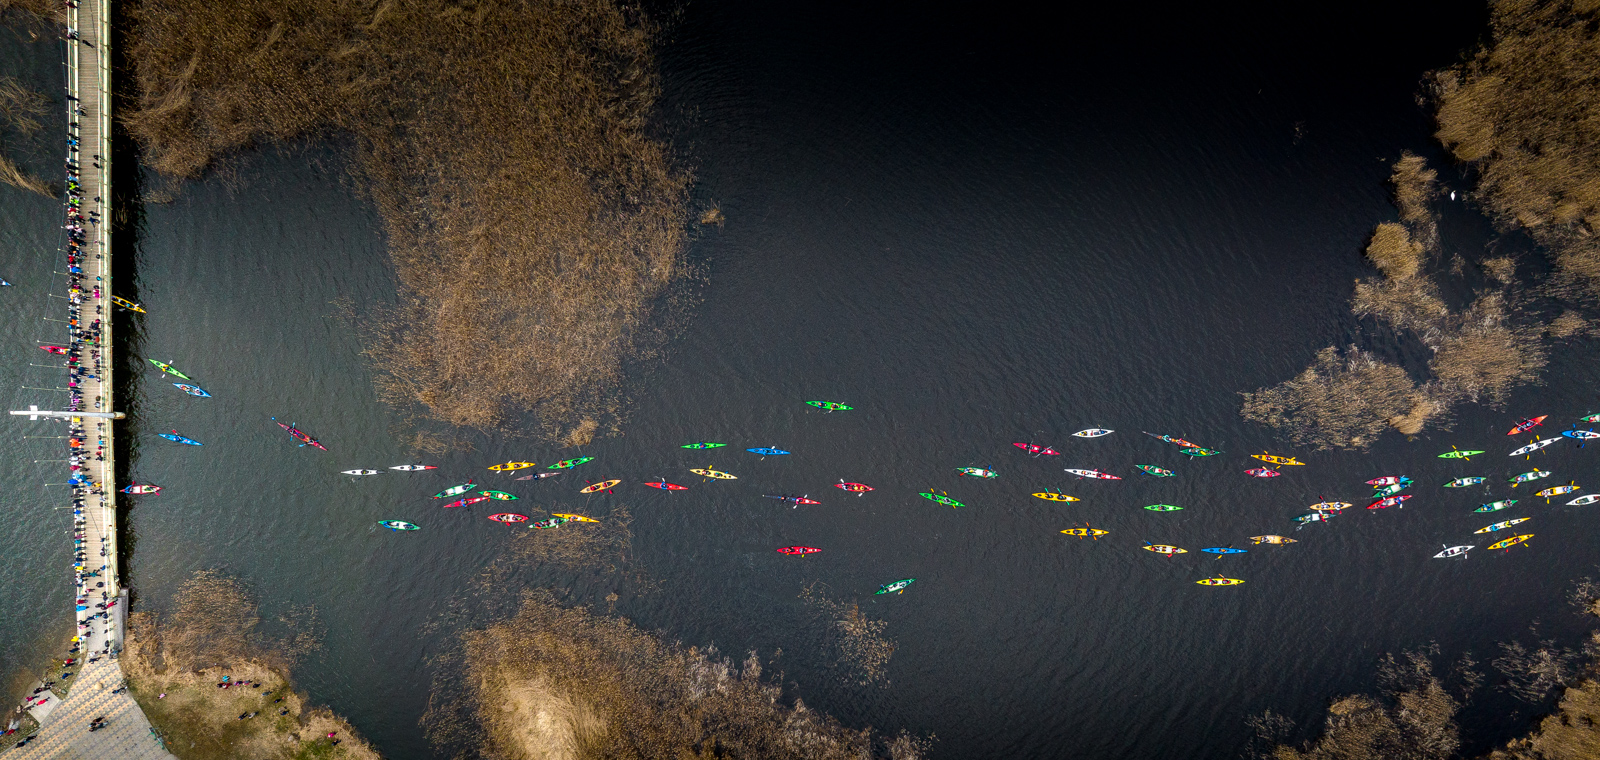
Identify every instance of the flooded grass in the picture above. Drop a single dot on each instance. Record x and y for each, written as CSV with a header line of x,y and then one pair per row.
x,y
1339,401
862,646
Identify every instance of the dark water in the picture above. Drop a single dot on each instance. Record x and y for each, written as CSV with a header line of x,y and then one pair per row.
x,y
976,228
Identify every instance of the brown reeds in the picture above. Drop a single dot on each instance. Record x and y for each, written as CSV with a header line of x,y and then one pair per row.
x,y
1337,402
556,682
1413,717
863,649
533,221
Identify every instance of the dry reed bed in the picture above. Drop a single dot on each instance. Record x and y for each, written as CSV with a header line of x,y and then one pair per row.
x,y
533,221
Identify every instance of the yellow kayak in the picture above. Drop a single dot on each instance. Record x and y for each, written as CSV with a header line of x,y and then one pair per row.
x,y
1220,581
1272,539
509,466
601,486
129,305
1053,496
1510,542
576,518
1164,549
710,473
1265,457
1094,533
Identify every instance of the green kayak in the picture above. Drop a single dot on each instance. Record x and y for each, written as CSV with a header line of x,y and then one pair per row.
x,y
1199,452
832,406
1464,482
898,587
1151,469
169,369
500,495
566,463
1163,508
454,490
942,499
1459,454
702,445
1495,506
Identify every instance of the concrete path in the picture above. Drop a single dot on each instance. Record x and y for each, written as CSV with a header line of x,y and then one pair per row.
x,y
65,734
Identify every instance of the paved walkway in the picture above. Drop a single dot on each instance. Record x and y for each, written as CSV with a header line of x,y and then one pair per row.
x,y
65,734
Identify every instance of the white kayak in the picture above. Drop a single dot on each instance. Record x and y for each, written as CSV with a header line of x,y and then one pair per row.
x,y
1093,433
1582,435
1582,500
413,467
359,472
1535,446
1096,474
1453,551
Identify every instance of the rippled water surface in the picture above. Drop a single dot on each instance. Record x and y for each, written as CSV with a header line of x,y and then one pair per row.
x,y
976,230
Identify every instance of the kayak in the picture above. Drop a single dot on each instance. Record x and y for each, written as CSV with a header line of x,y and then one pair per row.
x,y
1388,480
1535,446
1459,454
57,350
767,451
498,495
855,488
1095,474
129,305
702,445
1172,440
1272,539
1590,418
898,587
173,436
454,490
1094,533
1528,424
1557,491
1273,459
539,476
1055,496
1581,435
942,499
1262,472
1582,500
1093,433
798,500
1164,549
604,485
1496,506
467,502
551,523
665,486
832,406
1220,550
568,463
136,488
509,466
977,472
1453,551
359,472
1502,525
1330,506
397,525
1391,490
413,467
168,369
1527,477
295,433
1163,508
1219,581
798,551
508,518
710,473
193,390
4,284
1510,542
1037,450
1464,482
1200,452
575,518
1307,519
1151,469
1385,503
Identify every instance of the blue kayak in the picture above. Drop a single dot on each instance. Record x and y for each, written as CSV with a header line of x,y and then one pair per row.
x,y
1224,550
193,390
173,436
767,451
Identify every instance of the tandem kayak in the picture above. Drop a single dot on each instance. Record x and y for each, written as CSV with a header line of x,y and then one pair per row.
x,y
1527,424
1262,472
1093,433
665,486
57,350
798,551
413,467
796,500
702,445
855,488
1532,475
1037,450
1393,489
604,485
569,463
1179,442
1388,480
136,488
1330,506
1510,542
1151,469
298,435
977,472
1054,496
1453,551
1274,459
1582,500
707,472
942,498
467,502
1385,503
1163,508
1272,539
1166,549
575,518
173,436
508,518
1459,454
550,523
397,525
1094,533
510,466
1557,491
1534,446
898,587
767,451
1095,474
454,490
1464,482
1501,525
358,472
1200,452
1219,581
830,406
1496,506
498,495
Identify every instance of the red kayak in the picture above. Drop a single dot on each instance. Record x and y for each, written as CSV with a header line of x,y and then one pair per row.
x,y
467,502
1262,472
665,486
1387,480
62,350
798,551
1392,501
295,433
1528,424
855,488
508,518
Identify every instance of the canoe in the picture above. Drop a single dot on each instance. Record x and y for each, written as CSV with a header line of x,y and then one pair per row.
x,y
1385,503
467,502
942,499
1272,539
1501,525
136,488
568,463
665,486
1527,477
498,495
1458,454
1262,472
1163,508
767,451
1453,551
359,472
509,466
898,587
798,551
1464,482
1510,542
551,523
1095,474
702,445
1165,549
575,518
832,406
1093,433
1219,581
855,488
397,525
718,475
1388,480
193,390
508,518
1273,459
1200,452
1156,471
454,490
1054,496
1496,506
129,305
413,467
1330,506
1582,500
168,369
1094,533
173,436
977,472
57,350
1535,446
601,486
1219,550
1528,424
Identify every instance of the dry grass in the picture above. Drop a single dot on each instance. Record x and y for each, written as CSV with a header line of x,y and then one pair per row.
x,y
1569,734
555,682
533,222
1484,357
605,547
1412,718
21,108
1570,323
1393,251
1337,402
1502,269
862,646
1415,186
1406,304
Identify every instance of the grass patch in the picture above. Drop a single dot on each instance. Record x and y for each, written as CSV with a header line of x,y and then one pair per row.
x,y
1339,401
